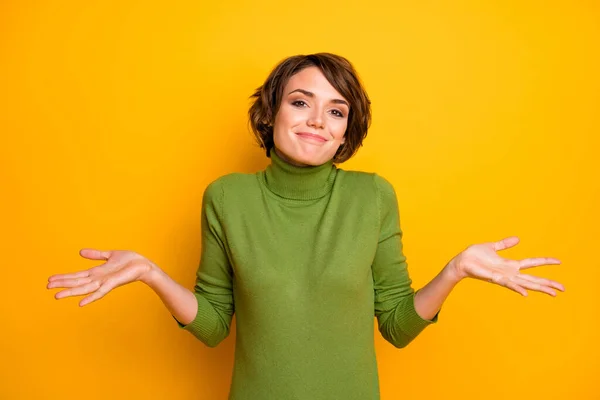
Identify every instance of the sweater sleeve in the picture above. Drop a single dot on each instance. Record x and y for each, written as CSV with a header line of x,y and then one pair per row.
x,y
397,318
213,289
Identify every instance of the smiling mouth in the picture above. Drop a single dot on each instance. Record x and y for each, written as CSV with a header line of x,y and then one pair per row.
x,y
312,137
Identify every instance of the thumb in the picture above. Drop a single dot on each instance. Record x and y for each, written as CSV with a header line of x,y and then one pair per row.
x,y
94,254
506,243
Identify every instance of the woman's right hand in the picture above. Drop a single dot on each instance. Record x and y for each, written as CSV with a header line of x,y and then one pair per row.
x,y
121,267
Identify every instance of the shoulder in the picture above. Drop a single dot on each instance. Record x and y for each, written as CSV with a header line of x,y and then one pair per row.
x,y
235,182
358,179
374,188
385,188
234,179
367,181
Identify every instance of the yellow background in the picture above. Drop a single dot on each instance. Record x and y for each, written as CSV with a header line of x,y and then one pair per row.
x,y
114,116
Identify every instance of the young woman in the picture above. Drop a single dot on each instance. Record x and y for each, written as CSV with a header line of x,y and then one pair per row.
x,y
306,254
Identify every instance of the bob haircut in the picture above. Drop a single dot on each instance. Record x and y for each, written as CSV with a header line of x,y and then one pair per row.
x,y
341,75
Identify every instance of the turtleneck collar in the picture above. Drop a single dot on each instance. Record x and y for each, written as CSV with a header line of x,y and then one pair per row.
x,y
299,183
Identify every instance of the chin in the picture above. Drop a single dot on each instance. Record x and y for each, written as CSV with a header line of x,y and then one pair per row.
x,y
303,157
315,161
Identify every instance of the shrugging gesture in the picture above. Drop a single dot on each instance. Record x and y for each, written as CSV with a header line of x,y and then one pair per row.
x,y
481,261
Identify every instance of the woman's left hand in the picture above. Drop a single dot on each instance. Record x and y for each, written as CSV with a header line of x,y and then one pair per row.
x,y
480,261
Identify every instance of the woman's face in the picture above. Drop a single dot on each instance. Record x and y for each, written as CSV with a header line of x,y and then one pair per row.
x,y
312,118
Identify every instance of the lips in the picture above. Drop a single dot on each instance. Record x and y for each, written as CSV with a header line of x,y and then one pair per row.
x,y
312,136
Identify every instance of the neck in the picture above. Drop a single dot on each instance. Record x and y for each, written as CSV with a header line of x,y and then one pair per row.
x,y
292,181
287,160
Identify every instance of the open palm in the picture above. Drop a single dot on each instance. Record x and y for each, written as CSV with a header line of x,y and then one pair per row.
x,y
480,261
121,267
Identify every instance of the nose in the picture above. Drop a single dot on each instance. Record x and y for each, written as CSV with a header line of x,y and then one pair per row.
x,y
315,120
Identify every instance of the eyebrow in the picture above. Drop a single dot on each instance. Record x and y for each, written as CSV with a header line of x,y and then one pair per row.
x,y
311,94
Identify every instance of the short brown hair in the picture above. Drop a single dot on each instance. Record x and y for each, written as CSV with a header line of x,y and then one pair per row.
x,y
342,76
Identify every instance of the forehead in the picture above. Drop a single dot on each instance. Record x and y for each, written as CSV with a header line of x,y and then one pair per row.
x,y
313,80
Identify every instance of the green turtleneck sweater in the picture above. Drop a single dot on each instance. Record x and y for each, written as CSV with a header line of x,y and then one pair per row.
x,y
306,257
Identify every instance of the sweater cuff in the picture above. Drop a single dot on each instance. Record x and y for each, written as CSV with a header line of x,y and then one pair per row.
x,y
201,325
412,322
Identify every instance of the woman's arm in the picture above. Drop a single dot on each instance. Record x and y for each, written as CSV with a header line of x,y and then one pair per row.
x,y
429,299
403,313
179,300
206,312
481,262
122,267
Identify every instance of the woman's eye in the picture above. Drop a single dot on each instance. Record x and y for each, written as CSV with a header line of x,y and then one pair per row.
x,y
299,103
302,103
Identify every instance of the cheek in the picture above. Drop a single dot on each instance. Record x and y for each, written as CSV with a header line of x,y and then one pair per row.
x,y
285,119
339,129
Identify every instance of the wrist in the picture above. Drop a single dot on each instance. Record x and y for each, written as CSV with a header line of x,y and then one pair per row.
x,y
151,275
452,271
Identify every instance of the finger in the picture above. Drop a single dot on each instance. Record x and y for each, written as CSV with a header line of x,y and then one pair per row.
x,y
537,261
77,275
68,283
78,291
90,299
506,243
515,287
95,254
97,295
535,286
72,275
104,289
543,281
